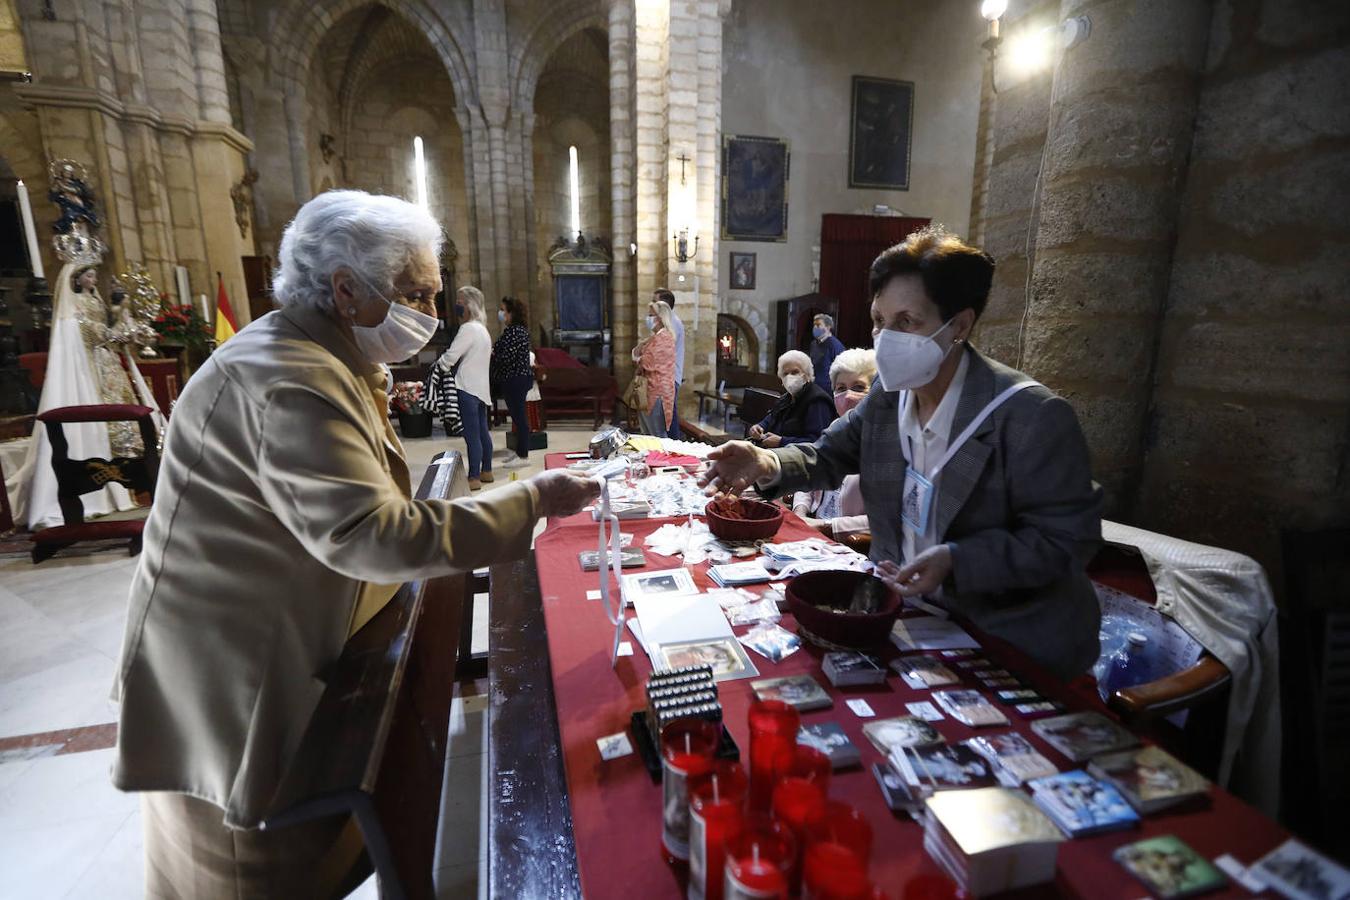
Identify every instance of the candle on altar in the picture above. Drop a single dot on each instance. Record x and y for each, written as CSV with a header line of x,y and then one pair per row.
x,y
758,860
688,748
30,232
773,742
716,814
833,872
206,309
811,764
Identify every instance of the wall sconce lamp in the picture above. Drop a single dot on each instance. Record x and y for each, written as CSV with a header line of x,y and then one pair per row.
x,y
1030,49
682,253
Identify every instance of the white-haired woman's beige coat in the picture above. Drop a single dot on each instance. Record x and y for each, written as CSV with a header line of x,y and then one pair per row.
x,y
282,505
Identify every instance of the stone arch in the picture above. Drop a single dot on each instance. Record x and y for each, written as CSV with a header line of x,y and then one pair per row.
x,y
753,319
550,33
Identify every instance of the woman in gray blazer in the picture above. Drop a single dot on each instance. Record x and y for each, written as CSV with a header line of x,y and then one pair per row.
x,y
976,479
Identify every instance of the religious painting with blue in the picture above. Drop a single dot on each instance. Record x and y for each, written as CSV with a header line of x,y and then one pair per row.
x,y
879,139
754,188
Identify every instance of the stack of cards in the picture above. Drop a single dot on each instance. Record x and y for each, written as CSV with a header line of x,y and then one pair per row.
x,y
901,731
895,791
1150,778
920,672
1296,870
829,738
799,691
1012,757
969,708
629,558
944,767
990,839
635,508
845,668
1081,805
1080,736
1170,868
739,574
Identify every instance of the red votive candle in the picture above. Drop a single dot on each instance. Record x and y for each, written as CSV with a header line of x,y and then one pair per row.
x,y
798,803
842,824
832,871
773,741
688,747
716,814
811,764
758,861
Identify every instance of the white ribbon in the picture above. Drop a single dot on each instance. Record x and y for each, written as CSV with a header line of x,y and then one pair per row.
x,y
610,519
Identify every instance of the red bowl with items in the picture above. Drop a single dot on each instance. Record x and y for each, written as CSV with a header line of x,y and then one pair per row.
x,y
820,602
739,519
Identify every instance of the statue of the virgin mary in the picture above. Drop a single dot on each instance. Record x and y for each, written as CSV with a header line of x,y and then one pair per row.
x,y
88,363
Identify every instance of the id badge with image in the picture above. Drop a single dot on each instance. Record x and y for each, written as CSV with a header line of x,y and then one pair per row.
x,y
916,501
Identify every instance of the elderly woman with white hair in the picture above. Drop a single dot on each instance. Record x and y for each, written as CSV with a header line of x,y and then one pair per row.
x,y
839,511
802,413
283,521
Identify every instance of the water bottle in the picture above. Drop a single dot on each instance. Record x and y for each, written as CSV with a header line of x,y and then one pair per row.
x,y
1129,665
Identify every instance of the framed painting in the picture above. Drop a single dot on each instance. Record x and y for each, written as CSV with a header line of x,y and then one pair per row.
x,y
742,271
754,188
880,133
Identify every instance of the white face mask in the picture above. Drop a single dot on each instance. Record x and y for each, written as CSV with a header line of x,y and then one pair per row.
x,y
906,361
794,383
402,334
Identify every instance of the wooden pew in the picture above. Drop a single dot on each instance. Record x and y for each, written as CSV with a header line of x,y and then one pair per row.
x,y
375,746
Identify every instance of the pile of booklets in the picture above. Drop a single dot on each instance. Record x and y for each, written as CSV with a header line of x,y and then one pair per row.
x,y
1081,736
1149,778
1081,805
846,668
1012,757
990,839
739,574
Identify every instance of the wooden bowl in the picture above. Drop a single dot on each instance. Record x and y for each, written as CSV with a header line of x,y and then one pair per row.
x,y
759,521
809,591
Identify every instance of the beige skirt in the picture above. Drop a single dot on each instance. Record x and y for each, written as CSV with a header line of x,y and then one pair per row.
x,y
191,855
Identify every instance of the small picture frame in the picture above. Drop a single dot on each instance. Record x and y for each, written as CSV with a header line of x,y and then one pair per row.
x,y
662,583
742,271
725,655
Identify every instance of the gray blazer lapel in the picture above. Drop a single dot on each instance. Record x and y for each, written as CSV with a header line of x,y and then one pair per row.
x,y
961,474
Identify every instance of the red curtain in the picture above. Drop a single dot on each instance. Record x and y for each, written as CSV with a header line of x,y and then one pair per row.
x,y
848,244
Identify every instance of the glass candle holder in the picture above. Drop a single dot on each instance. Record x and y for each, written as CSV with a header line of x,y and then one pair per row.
x,y
831,871
798,804
716,814
842,824
759,861
688,747
773,741
811,764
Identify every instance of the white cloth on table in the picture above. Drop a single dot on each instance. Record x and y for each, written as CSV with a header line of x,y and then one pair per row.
x,y
1224,601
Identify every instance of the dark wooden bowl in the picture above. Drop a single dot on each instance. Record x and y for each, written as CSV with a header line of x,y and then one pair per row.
x,y
808,591
759,521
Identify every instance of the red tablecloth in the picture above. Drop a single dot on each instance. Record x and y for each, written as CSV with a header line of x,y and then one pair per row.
x,y
616,809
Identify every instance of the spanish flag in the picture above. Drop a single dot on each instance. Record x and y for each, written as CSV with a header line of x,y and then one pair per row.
x,y
225,324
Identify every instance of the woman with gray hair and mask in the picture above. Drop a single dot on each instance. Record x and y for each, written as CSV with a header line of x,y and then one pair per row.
x,y
283,521
801,414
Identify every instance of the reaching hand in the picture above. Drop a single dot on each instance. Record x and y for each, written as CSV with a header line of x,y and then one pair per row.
x,y
755,432
735,466
771,440
562,492
922,575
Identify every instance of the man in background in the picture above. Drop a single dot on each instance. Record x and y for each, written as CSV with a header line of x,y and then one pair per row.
x,y
824,348
666,296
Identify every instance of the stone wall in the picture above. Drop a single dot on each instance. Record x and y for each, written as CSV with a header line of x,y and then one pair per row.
x,y
1170,234
788,74
135,91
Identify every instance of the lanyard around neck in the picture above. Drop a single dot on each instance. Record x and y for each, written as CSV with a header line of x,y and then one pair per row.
x,y
970,429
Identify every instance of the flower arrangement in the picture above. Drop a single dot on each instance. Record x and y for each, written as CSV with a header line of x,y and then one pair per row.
x,y
182,325
408,397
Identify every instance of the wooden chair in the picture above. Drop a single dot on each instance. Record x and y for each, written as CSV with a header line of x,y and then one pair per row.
x,y
75,477
756,405
375,746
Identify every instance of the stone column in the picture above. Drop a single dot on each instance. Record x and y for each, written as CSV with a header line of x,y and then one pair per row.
x,y
1121,125
494,94
621,160
204,28
652,31
700,365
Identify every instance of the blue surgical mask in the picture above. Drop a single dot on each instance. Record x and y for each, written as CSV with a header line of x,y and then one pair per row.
x,y
818,332
651,323
501,316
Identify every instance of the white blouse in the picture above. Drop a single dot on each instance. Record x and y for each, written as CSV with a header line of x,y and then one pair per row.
x,y
472,351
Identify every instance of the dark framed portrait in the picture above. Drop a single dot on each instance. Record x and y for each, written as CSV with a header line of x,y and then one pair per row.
x,y
754,188
742,271
880,135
